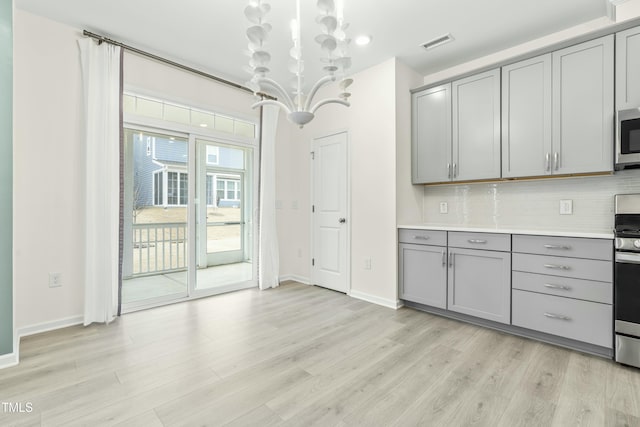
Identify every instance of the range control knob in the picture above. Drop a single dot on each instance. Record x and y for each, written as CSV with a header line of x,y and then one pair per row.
x,y
636,243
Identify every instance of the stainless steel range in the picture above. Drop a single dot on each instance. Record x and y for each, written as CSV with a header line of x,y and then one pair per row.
x,y
627,279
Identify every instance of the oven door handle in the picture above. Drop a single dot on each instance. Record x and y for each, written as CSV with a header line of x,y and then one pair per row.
x,y
628,258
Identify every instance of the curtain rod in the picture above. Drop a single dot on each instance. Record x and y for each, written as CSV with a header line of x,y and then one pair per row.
x,y
102,39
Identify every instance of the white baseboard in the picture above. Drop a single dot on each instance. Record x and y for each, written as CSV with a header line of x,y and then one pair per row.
x,y
50,326
8,360
300,279
394,304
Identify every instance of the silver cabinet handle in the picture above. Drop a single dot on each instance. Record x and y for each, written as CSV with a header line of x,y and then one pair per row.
x,y
547,162
557,247
455,168
449,170
444,258
476,241
562,287
451,256
556,160
421,237
556,316
557,267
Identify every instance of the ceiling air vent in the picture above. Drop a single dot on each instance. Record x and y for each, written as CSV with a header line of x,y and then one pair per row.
x,y
438,41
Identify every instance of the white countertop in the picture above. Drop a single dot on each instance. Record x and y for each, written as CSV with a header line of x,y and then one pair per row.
x,y
559,233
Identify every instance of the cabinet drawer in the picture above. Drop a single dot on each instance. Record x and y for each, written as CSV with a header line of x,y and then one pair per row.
x,y
564,246
601,271
422,237
485,241
579,320
589,290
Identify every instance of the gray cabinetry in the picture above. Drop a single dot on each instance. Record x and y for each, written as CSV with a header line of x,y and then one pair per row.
x,y
479,282
423,267
583,107
570,318
526,118
476,127
557,112
456,130
563,286
628,69
431,139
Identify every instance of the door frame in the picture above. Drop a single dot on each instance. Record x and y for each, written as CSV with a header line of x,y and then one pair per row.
x,y
312,219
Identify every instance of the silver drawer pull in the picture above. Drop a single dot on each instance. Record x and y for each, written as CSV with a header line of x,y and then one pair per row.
x,y
557,247
476,241
444,258
556,316
557,267
421,237
564,288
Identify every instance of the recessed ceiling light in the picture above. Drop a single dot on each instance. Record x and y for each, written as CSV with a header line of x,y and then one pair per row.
x,y
363,40
438,41
203,125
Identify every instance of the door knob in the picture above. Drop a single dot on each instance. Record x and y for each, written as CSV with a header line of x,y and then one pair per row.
x,y
342,220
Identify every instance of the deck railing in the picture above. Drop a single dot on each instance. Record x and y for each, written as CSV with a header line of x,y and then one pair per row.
x,y
159,247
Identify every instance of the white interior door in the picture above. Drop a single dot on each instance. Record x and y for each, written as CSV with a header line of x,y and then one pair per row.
x,y
330,212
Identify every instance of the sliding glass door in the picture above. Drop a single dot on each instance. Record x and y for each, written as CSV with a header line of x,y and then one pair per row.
x,y
223,215
179,245
156,245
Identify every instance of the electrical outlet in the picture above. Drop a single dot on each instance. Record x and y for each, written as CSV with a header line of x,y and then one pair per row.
x,y
566,207
294,204
55,280
299,253
367,263
444,207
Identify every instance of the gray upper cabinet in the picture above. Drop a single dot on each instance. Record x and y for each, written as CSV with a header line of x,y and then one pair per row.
x,y
628,69
526,118
431,139
476,127
583,107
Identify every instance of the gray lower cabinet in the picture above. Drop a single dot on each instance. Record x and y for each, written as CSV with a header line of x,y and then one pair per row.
x,y
423,274
628,69
564,287
570,318
479,283
557,286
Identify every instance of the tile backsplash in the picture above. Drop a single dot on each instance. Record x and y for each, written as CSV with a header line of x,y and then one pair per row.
x,y
531,204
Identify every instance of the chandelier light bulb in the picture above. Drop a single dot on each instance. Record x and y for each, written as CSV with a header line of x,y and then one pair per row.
x,y
332,39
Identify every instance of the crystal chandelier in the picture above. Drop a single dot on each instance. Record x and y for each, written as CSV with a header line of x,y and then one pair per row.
x,y
299,107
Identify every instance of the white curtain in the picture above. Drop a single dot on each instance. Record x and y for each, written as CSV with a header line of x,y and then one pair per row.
x,y
101,83
269,257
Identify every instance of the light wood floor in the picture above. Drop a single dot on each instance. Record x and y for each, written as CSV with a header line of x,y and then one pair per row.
x,y
301,355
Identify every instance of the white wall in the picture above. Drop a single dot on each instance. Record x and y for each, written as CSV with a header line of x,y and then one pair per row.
x,y
148,77
625,11
373,131
409,197
48,171
48,160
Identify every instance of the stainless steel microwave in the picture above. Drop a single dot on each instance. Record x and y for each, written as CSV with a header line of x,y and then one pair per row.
x,y
628,139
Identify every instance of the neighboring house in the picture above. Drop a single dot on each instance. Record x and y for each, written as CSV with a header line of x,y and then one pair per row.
x,y
161,178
